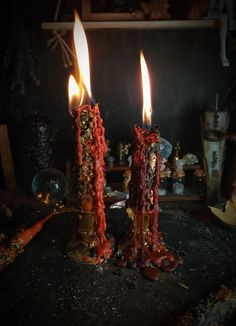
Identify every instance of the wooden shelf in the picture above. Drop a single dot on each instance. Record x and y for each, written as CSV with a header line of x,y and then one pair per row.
x,y
143,24
191,167
188,196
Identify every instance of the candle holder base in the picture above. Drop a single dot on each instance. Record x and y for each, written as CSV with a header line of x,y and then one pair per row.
x,y
85,247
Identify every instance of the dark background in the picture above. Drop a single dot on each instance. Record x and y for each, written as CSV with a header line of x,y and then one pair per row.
x,y
184,66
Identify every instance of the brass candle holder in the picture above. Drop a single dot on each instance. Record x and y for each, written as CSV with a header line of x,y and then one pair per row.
x,y
83,245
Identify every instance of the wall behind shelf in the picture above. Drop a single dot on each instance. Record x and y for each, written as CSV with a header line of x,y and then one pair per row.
x,y
185,74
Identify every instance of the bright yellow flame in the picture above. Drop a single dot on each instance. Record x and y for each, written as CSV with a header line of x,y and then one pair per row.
x,y
147,105
74,93
82,54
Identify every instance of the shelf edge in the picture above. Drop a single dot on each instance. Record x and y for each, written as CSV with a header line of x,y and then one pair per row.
x,y
147,24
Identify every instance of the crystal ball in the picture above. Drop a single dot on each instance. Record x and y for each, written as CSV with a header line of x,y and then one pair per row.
x,y
49,186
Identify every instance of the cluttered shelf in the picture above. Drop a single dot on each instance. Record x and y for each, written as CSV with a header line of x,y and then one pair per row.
x,y
181,177
193,185
188,196
144,24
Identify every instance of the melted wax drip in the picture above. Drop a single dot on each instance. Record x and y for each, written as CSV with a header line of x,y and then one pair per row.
x,y
146,248
98,149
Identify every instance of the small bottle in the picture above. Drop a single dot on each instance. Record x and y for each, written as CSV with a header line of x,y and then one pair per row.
x,y
199,182
111,161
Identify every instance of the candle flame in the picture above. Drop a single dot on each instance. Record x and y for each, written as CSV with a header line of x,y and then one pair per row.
x,y
82,53
147,105
74,94
79,87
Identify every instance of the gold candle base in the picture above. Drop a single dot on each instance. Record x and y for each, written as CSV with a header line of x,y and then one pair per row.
x,y
84,246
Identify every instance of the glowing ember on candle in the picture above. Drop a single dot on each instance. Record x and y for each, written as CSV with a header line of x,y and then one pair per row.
x,y
91,245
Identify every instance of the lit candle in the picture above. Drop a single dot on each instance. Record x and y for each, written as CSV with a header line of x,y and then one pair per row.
x,y
146,247
90,245
145,166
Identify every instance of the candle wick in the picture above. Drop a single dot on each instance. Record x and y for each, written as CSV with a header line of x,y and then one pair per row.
x,y
146,126
90,100
73,111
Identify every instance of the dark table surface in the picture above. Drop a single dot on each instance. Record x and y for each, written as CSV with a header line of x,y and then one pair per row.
x,y
45,287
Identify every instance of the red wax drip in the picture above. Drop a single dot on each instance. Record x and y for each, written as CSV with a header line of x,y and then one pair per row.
x,y
79,145
98,150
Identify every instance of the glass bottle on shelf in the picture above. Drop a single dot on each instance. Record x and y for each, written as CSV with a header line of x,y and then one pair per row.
x,y
199,182
178,179
178,185
176,156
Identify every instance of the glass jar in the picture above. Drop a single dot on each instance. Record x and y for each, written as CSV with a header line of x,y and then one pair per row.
x,y
162,188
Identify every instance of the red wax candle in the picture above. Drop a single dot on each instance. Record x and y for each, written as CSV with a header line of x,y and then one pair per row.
x,y
91,148
93,247
146,247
